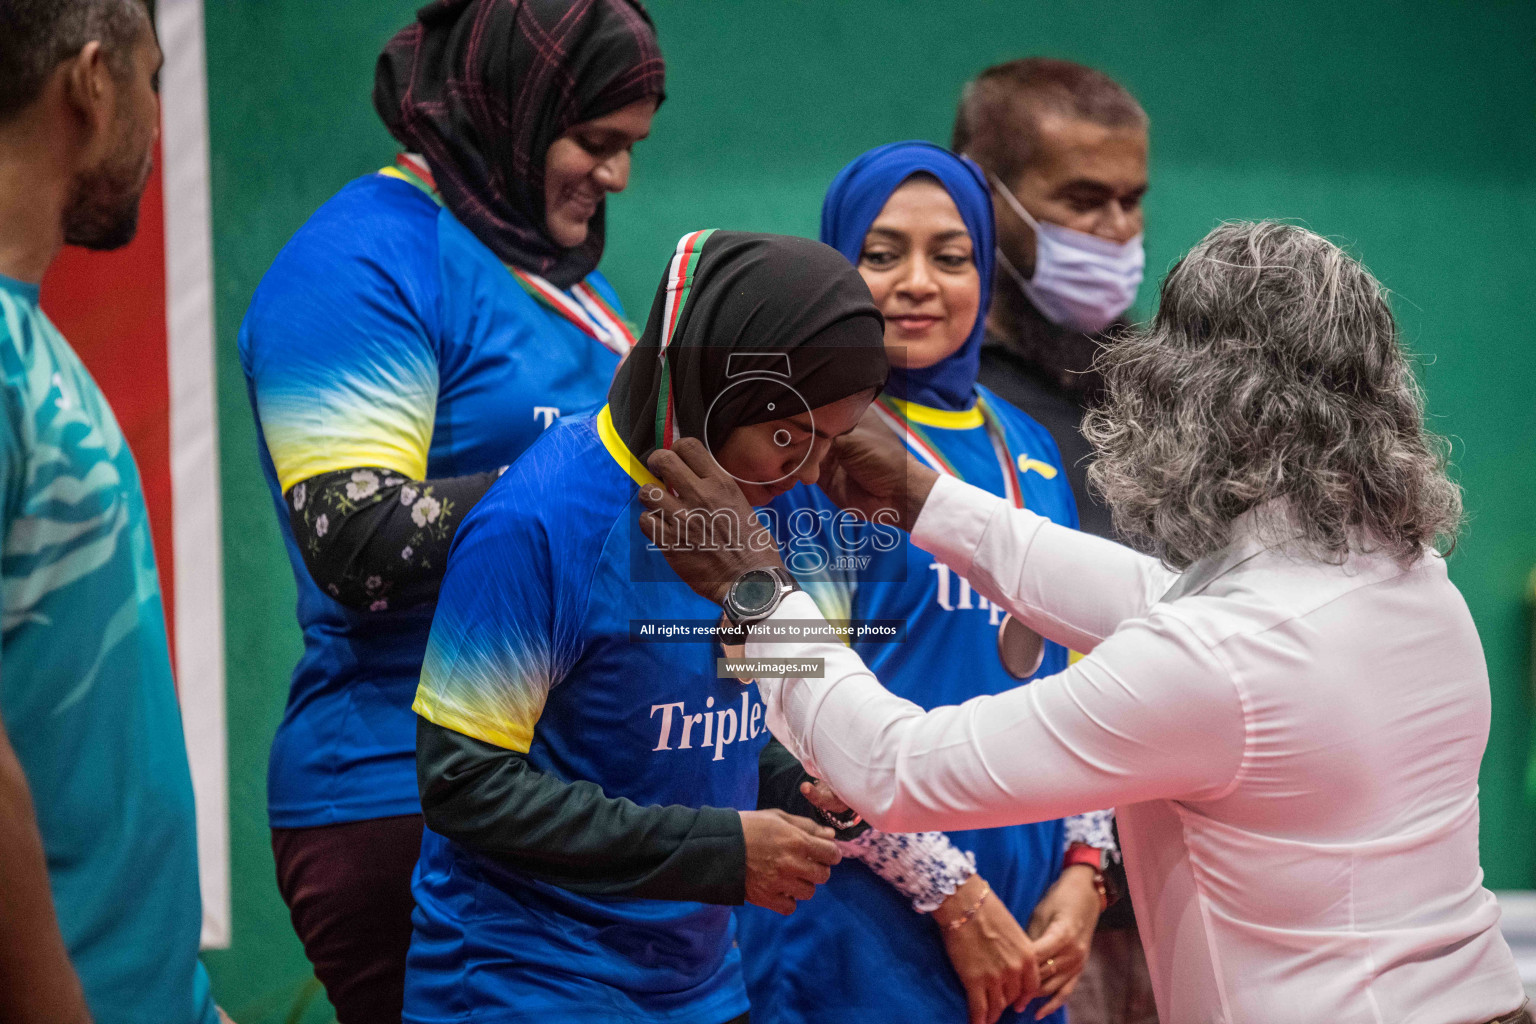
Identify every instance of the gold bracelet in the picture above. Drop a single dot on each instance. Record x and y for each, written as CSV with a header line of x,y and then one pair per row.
x,y
963,918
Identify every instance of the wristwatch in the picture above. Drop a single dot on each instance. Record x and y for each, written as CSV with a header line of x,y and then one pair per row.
x,y
1098,860
756,594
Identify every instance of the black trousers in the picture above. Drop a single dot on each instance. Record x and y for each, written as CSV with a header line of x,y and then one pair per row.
x,y
348,891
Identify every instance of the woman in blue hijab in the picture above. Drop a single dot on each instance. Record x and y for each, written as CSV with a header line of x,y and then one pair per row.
x,y
943,945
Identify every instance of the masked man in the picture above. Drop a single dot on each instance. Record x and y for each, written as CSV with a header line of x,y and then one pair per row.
x,y
1065,149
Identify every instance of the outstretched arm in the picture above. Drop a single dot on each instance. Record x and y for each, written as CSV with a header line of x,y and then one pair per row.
x,y
1013,557
1023,562
493,801
1151,714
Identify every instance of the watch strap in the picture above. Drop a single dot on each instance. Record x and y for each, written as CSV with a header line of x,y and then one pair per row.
x,y
1082,853
1098,860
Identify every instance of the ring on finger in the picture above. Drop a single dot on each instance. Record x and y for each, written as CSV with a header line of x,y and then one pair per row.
x,y
1050,966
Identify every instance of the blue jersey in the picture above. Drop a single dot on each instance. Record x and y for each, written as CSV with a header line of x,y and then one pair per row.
x,y
538,647
858,951
385,334
86,692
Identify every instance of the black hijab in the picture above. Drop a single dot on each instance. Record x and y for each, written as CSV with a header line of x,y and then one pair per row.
x,y
481,88
761,327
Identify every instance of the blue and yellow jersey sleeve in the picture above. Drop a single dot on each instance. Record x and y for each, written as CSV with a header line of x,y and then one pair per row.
x,y
507,627
340,345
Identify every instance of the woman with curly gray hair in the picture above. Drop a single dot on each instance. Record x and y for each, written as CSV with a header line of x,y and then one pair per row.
x,y
1270,385
1286,700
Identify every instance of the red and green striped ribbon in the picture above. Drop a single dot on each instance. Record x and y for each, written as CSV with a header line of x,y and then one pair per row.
x,y
927,450
583,307
415,170
680,277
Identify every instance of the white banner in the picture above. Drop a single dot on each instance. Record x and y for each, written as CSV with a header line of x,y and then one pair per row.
x,y
199,573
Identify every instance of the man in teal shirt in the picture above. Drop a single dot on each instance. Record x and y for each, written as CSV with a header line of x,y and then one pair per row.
x,y
99,904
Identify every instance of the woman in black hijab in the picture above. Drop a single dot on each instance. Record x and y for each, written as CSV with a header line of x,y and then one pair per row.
x,y
588,780
413,338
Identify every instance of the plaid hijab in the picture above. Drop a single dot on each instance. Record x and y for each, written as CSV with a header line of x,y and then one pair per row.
x,y
481,88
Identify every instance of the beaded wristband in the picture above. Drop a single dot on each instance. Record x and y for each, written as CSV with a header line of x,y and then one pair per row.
x,y
962,919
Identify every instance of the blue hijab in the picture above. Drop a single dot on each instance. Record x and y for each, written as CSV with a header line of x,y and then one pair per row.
x,y
855,199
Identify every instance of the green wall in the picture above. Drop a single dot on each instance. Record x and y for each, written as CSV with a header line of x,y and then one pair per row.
x,y
1402,129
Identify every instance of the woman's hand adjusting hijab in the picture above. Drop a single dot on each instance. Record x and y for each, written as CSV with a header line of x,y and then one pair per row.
x,y
703,524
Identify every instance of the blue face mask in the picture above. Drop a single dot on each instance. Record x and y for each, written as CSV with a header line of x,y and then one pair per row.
x,y
1081,281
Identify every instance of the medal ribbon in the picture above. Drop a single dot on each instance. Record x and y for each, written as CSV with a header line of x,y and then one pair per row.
x,y
680,276
919,443
581,305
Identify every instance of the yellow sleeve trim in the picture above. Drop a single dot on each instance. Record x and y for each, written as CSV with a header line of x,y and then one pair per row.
x,y
293,471
620,451
1073,657
516,738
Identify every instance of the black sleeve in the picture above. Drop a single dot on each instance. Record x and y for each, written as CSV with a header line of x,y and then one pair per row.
x,y
373,539
779,776
494,802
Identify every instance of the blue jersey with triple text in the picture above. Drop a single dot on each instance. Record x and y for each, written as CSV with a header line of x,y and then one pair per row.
x,y
386,334
538,647
858,951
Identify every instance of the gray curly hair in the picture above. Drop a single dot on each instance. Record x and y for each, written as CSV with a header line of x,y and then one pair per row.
x,y
1271,378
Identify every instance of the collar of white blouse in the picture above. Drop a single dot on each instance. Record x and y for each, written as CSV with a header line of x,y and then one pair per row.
x,y
1256,531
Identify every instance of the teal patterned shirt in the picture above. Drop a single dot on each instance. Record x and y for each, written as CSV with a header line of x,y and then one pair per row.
x,y
86,691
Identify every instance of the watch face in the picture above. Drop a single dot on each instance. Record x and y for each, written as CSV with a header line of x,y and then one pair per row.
x,y
754,591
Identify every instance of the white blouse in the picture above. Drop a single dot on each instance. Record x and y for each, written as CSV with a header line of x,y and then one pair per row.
x,y
1291,747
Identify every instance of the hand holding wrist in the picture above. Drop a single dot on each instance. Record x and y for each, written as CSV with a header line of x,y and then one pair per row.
x,y
1080,875
1062,927
992,956
965,898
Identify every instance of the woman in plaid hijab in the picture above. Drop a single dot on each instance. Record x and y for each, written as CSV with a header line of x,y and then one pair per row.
x,y
420,331
483,89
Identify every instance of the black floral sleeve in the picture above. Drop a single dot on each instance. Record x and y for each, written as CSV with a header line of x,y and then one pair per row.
x,y
375,540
